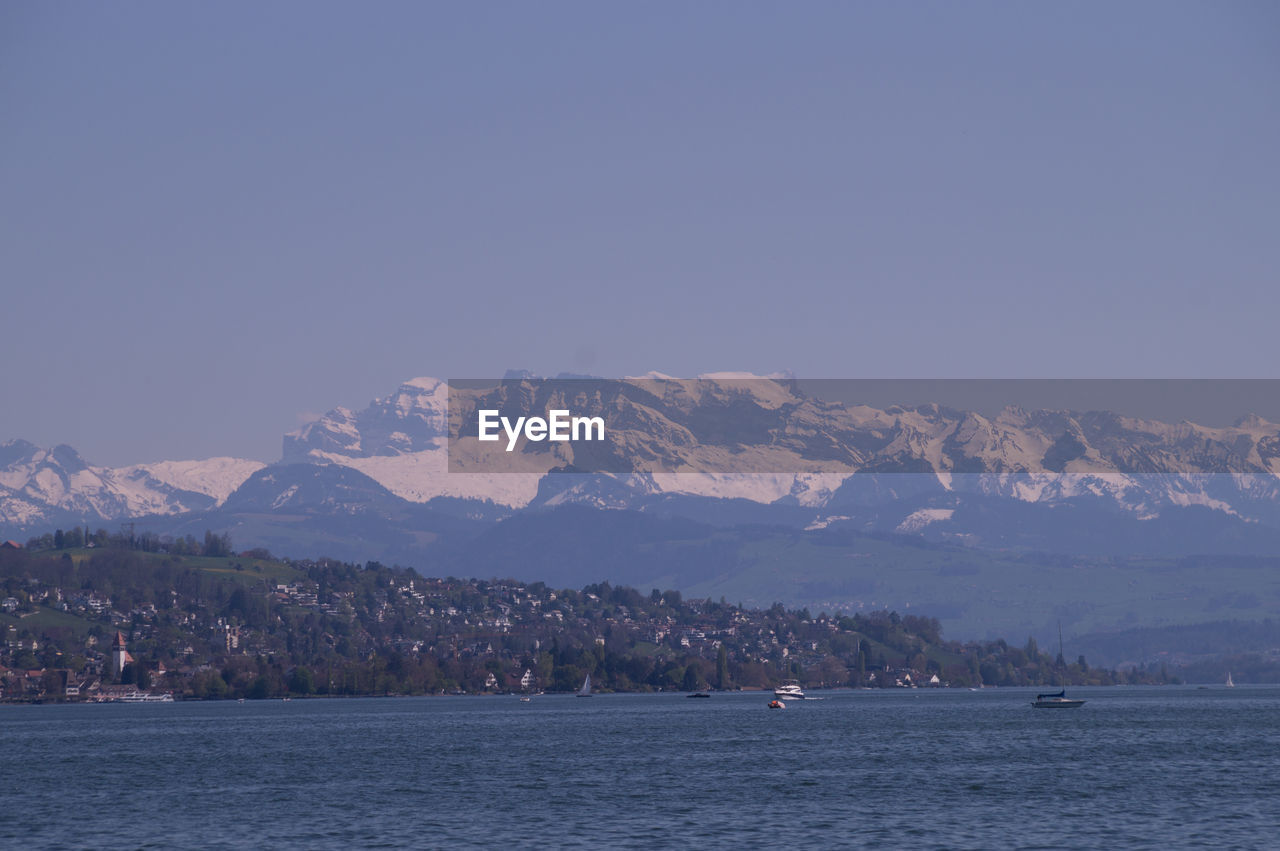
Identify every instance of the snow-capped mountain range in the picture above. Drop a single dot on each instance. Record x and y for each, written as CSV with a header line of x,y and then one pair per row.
x,y
807,451
41,485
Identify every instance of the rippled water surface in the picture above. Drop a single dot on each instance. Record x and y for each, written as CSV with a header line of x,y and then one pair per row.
x,y
1134,767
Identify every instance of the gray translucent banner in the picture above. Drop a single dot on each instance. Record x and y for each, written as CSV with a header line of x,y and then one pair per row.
x,y
733,425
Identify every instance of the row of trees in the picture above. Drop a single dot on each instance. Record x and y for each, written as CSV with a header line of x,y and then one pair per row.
x,y
218,546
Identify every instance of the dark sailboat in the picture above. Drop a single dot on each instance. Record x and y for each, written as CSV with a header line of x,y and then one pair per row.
x,y
1059,699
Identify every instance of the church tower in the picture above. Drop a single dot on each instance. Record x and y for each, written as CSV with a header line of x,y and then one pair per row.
x,y
119,655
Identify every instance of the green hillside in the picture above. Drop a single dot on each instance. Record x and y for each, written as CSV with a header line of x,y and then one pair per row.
x,y
985,595
974,593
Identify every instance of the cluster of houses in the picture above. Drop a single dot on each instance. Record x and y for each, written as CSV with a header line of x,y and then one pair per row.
x,y
67,684
447,619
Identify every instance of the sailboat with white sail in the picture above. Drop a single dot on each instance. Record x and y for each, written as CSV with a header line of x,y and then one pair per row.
x,y
585,691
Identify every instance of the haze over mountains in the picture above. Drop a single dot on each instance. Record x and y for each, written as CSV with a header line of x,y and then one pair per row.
x,y
931,485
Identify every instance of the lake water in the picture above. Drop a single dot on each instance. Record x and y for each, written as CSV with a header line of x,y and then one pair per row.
x,y
1134,767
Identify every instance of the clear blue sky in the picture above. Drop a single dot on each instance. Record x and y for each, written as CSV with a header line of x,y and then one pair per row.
x,y
216,218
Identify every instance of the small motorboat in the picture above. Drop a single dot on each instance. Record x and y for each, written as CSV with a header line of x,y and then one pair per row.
x,y
698,694
789,690
777,704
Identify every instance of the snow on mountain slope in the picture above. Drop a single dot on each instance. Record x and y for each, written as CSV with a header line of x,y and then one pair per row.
x,y
17,510
399,441
40,483
423,476
213,477
681,436
412,419
808,489
917,520
799,449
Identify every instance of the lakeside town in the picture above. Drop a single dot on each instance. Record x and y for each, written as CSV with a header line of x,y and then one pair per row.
x,y
110,617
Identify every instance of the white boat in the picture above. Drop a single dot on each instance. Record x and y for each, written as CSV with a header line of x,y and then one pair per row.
x,y
1229,683
145,697
789,690
585,691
